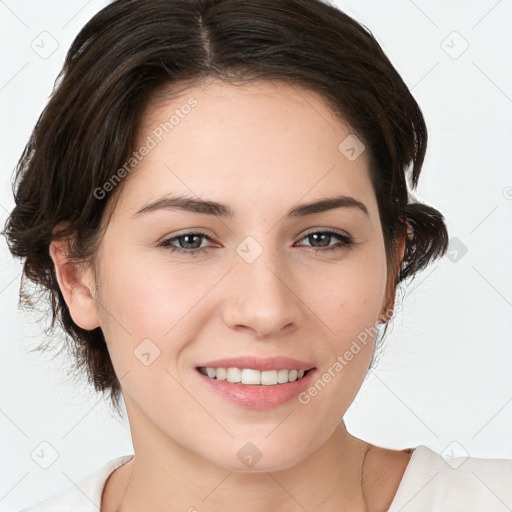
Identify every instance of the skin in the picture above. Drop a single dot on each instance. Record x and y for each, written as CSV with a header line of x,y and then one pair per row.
x,y
261,148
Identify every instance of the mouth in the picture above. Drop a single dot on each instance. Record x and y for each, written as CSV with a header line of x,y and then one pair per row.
x,y
254,382
253,377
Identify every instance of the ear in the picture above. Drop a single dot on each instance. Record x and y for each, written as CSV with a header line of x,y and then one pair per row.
x,y
76,282
389,304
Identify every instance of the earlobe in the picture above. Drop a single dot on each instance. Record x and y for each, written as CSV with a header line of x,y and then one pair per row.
x,y
76,282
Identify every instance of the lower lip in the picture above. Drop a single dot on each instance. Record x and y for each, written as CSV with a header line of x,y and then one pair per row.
x,y
258,396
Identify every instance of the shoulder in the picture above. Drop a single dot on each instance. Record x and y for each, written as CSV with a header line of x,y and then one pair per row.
x,y
437,484
84,496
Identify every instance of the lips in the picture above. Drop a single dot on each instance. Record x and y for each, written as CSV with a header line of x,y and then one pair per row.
x,y
259,363
260,397
266,395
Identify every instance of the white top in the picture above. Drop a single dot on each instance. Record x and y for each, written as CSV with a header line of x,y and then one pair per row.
x,y
430,484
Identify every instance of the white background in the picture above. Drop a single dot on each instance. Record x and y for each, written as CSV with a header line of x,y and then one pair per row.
x,y
445,379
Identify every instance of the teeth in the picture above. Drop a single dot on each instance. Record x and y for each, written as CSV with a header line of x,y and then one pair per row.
x,y
233,374
253,377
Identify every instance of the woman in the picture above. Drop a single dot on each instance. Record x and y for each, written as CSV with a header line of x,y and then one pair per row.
x,y
216,200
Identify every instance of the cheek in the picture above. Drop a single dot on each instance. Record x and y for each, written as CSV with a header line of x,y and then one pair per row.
x,y
151,299
146,296
348,297
348,301
136,305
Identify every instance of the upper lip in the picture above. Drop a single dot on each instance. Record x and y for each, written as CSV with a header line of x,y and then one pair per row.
x,y
259,363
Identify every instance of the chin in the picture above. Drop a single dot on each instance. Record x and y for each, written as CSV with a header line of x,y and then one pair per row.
x,y
260,457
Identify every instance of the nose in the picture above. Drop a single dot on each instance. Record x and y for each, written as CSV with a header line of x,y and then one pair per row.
x,y
262,297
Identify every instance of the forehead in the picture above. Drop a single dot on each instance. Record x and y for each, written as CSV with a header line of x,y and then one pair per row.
x,y
265,144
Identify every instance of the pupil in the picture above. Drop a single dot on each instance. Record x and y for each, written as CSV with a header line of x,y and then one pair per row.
x,y
187,242
325,238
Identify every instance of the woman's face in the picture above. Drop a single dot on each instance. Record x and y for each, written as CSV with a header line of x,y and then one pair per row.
x,y
248,284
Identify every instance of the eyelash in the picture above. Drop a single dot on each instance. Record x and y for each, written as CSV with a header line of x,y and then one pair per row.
x,y
346,242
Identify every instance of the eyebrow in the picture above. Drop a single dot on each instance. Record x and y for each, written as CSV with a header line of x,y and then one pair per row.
x,y
213,208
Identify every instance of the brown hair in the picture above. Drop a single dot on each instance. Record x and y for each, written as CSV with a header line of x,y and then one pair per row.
x,y
131,49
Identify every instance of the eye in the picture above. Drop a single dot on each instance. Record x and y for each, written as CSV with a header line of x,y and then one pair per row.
x,y
323,237
191,243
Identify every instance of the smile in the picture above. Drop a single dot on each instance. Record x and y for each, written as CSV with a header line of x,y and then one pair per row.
x,y
253,377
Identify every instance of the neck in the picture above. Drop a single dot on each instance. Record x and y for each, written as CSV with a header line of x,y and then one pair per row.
x,y
164,476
